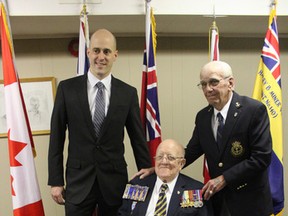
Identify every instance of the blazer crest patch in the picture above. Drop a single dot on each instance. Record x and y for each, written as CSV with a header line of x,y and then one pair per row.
x,y
237,149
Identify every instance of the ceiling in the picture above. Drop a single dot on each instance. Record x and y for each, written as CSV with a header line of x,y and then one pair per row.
x,y
26,27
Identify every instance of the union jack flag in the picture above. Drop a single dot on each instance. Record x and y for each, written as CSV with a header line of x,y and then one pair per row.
x,y
268,90
149,98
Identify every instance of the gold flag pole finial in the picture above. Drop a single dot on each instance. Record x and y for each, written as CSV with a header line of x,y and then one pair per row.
x,y
84,10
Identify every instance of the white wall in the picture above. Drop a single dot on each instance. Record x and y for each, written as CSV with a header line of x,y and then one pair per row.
x,y
129,7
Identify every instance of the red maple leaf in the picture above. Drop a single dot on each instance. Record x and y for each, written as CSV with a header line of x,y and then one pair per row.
x,y
14,149
12,189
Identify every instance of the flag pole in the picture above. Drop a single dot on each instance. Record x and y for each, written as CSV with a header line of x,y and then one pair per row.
x,y
83,62
213,28
84,13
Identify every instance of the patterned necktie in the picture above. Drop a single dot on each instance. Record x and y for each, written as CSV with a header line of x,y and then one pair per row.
x,y
99,113
220,129
161,205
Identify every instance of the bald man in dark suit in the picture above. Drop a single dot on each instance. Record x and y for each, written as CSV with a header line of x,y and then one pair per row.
x,y
183,194
96,170
238,158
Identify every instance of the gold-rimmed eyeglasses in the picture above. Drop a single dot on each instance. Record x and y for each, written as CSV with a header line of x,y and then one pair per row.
x,y
211,82
168,157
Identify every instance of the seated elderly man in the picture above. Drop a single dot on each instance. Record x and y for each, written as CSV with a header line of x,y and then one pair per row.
x,y
167,192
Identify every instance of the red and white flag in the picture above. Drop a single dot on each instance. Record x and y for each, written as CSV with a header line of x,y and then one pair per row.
x,y
24,184
149,97
214,42
214,56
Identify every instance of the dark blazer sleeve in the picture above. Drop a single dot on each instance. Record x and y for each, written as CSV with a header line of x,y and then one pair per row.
x,y
136,133
57,139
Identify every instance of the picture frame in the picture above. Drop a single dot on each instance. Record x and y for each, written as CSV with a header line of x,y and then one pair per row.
x,y
39,95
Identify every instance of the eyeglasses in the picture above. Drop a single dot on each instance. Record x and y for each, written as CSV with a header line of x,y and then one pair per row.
x,y
170,158
211,82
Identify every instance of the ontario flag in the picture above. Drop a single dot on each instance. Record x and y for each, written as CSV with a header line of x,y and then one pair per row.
x,y
149,98
83,62
267,89
214,56
24,184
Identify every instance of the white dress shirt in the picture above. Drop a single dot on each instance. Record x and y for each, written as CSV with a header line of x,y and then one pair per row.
x,y
92,91
224,112
156,192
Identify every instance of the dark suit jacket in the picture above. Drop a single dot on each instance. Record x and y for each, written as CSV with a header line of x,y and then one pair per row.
x,y
183,183
243,158
88,156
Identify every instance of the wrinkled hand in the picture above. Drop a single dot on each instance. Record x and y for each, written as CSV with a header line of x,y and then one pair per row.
x,y
57,194
144,172
213,186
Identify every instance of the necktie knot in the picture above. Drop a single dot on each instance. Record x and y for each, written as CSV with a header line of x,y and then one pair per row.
x,y
163,188
100,85
220,118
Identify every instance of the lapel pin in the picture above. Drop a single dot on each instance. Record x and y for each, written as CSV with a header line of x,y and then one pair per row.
x,y
235,114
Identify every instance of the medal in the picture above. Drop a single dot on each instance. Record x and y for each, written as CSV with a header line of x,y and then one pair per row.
x,y
135,192
191,198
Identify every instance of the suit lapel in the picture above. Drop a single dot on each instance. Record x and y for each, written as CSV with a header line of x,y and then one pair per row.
x,y
141,207
84,103
114,101
231,119
176,196
209,131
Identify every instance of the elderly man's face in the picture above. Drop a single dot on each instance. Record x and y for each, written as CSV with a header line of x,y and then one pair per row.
x,y
216,87
168,161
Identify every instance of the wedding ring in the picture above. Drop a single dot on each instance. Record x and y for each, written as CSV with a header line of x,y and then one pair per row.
x,y
210,192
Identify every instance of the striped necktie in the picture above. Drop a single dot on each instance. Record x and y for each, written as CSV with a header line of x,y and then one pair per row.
x,y
99,113
161,205
220,129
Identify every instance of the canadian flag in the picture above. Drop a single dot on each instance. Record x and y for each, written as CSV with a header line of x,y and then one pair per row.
x,y
24,184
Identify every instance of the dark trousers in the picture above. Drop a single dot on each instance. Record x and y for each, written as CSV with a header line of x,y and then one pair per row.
x,y
87,207
219,205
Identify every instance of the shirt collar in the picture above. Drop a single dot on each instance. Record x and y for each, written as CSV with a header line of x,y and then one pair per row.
x,y
94,80
224,110
171,184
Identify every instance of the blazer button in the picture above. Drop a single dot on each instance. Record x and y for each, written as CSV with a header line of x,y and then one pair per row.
x,y
220,164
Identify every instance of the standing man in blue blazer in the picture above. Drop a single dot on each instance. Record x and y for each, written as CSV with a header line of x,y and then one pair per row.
x,y
96,170
238,147
183,194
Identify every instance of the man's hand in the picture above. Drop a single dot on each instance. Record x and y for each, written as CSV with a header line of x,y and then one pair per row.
x,y
57,194
144,172
213,186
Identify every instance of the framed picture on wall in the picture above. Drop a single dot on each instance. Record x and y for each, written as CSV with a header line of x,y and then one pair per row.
x,y
39,95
